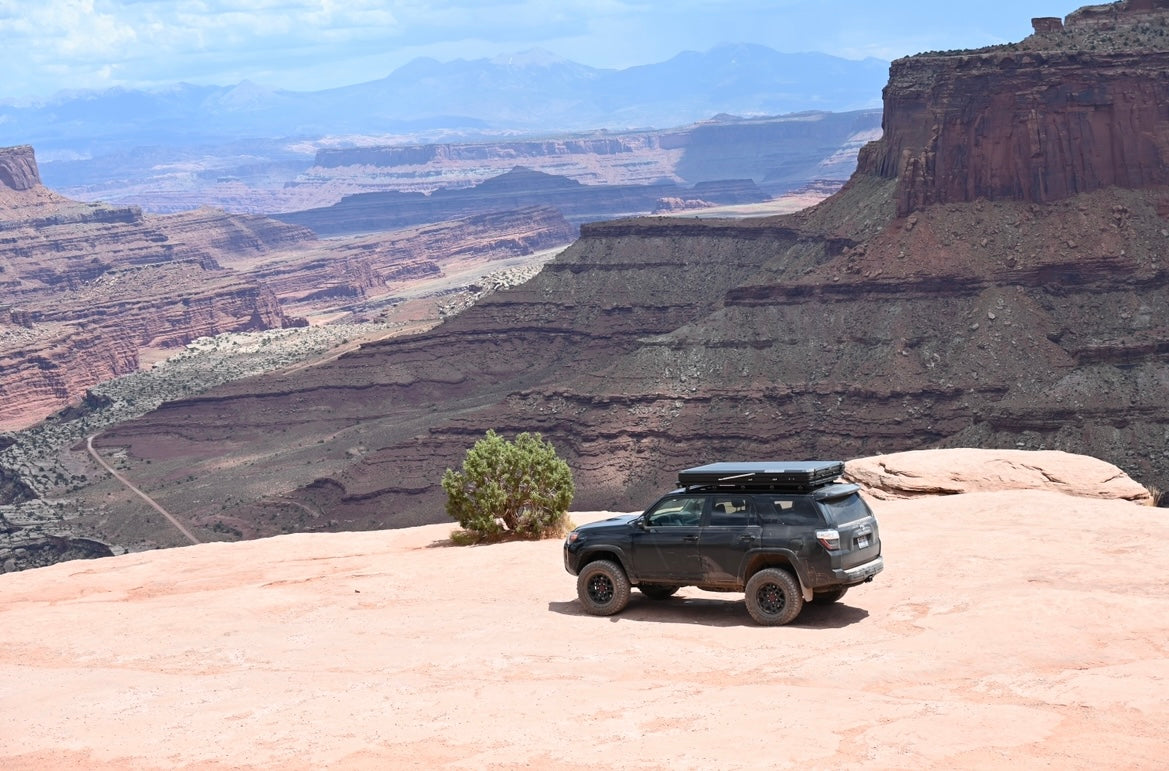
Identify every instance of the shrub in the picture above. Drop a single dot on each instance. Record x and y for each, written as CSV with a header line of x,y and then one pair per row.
x,y
520,489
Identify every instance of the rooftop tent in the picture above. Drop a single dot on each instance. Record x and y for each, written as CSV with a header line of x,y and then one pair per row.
x,y
771,475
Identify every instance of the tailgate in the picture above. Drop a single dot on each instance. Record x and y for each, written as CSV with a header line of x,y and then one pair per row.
x,y
860,538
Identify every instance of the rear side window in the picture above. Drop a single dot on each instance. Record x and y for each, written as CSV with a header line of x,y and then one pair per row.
x,y
789,510
730,510
850,508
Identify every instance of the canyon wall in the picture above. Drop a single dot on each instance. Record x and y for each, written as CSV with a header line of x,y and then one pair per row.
x,y
376,264
86,287
1073,109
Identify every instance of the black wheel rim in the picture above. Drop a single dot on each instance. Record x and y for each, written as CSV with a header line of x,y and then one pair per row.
x,y
600,588
771,599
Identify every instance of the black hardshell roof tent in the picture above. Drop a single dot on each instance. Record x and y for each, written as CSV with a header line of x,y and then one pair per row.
x,y
794,476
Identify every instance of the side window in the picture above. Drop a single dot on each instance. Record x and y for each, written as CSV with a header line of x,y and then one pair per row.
x,y
792,510
731,510
679,511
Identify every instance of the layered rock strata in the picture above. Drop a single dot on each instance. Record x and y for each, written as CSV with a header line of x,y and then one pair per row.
x,y
18,168
87,286
1077,107
519,188
777,153
375,265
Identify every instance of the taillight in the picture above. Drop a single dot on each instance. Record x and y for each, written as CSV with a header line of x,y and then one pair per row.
x,y
829,539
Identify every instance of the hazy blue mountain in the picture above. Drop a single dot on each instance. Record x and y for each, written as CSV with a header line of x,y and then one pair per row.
x,y
530,91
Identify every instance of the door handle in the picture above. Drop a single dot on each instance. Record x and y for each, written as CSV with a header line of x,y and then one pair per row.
x,y
690,538
746,538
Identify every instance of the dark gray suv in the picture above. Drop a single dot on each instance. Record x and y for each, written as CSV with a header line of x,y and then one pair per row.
x,y
783,533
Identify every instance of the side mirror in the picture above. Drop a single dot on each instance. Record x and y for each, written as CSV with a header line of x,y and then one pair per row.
x,y
641,524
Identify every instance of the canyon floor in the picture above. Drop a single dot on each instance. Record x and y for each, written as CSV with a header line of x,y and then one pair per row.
x,y
1010,627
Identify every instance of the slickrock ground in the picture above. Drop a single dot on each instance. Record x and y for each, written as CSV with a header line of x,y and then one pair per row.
x,y
1021,627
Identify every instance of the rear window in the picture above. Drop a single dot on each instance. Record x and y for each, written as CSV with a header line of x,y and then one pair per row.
x,y
785,510
850,508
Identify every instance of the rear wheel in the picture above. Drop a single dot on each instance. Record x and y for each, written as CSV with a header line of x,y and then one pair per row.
x,y
602,588
829,597
773,597
658,591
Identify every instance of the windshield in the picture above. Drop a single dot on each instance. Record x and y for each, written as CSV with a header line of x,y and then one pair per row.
x,y
850,508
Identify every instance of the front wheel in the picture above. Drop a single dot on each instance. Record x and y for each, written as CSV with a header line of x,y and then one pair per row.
x,y
603,588
773,597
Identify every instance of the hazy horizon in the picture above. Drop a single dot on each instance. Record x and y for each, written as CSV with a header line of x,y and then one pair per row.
x,y
308,45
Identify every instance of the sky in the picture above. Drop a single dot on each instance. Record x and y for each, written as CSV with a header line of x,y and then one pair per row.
x,y
306,45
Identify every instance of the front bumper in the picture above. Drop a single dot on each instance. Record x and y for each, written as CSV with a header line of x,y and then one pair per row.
x,y
569,562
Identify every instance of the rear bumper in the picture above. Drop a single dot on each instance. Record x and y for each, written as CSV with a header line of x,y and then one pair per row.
x,y
860,573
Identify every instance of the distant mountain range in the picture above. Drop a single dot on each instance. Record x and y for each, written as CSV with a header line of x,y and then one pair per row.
x,y
529,92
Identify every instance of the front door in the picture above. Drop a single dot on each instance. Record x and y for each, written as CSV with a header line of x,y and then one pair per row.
x,y
665,548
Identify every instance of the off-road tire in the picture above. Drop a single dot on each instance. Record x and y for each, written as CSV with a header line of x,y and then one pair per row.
x,y
828,597
658,591
603,588
773,597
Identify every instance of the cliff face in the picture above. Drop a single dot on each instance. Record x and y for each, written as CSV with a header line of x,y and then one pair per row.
x,y
18,168
87,286
375,264
1075,108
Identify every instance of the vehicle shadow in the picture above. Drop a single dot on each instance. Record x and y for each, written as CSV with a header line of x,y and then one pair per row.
x,y
715,611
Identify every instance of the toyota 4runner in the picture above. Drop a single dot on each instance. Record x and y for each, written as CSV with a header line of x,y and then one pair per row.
x,y
782,533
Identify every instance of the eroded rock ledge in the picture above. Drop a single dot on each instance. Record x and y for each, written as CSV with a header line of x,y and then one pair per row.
x,y
953,472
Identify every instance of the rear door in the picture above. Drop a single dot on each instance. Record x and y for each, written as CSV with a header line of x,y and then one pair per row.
x,y
665,548
732,530
860,542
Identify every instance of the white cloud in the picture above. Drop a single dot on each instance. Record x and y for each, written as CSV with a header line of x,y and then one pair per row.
x,y
308,44
97,43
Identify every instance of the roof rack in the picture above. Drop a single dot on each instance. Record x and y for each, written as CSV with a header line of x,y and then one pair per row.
x,y
785,476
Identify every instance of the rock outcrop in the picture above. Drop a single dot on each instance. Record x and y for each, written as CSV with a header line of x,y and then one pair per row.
x,y
923,473
1077,107
18,168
